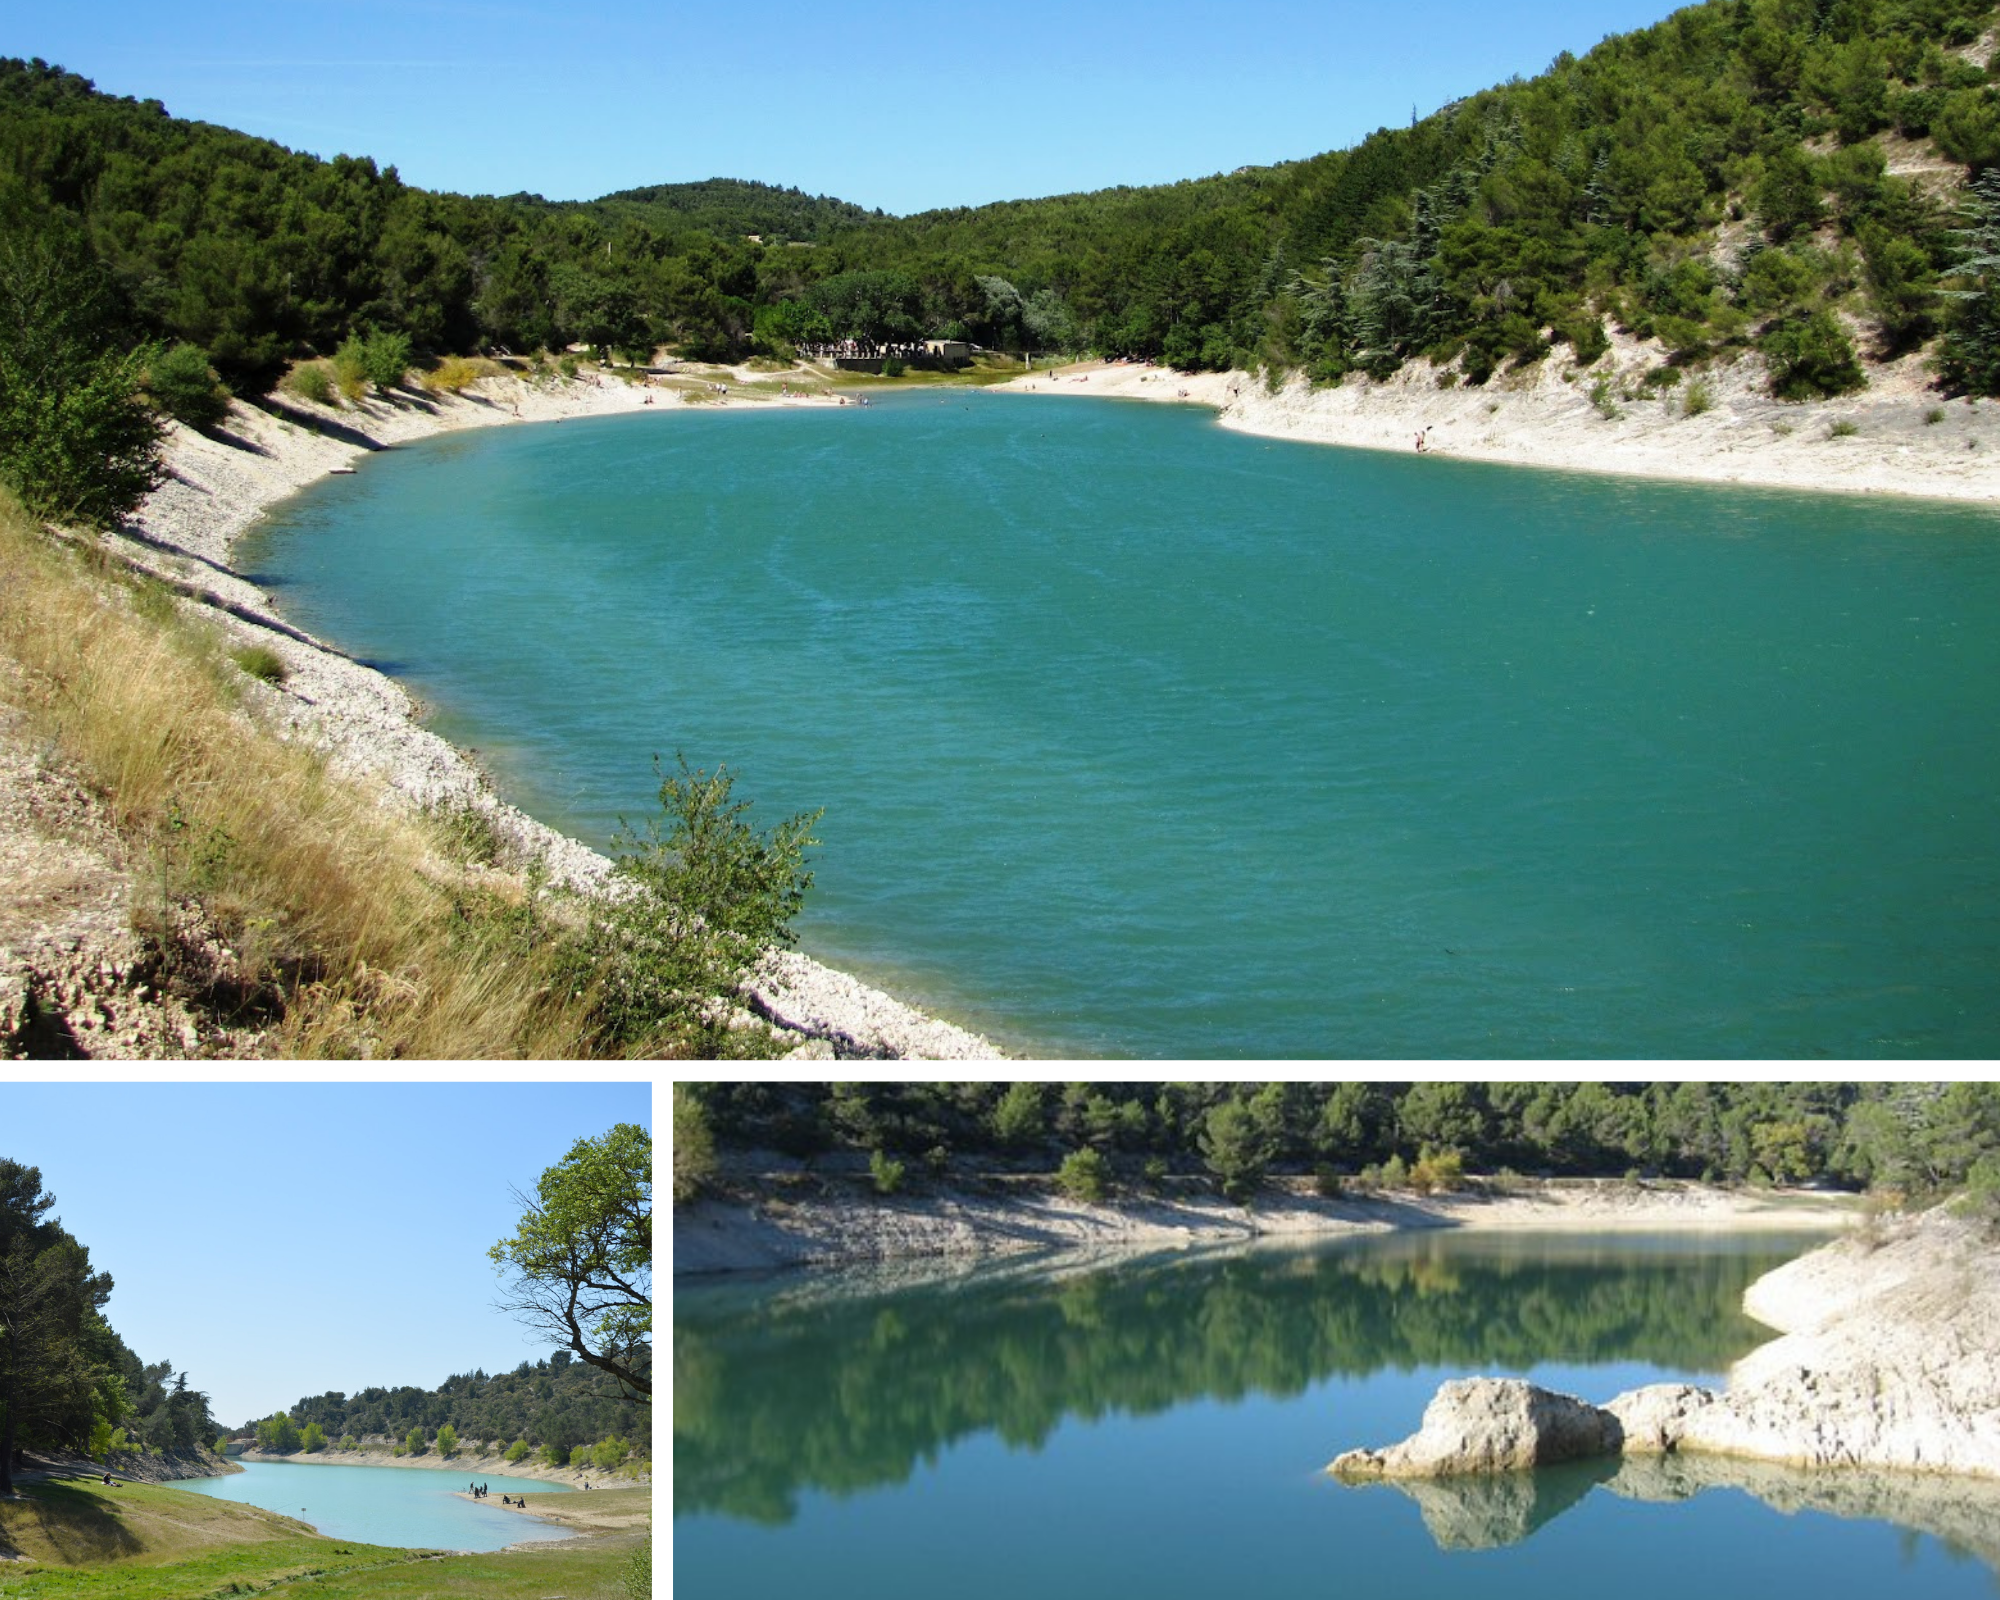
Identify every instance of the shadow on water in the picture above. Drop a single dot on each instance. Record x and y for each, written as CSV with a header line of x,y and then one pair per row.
x,y
840,1382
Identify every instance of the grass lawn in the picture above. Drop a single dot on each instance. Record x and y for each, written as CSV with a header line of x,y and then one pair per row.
x,y
148,1542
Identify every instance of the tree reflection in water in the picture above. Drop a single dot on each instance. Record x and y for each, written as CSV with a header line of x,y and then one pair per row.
x,y
843,1382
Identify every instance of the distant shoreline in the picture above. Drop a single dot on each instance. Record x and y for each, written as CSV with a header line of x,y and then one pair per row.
x,y
472,1465
765,1224
1534,418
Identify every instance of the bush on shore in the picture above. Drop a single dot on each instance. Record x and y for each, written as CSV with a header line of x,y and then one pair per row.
x,y
181,383
78,442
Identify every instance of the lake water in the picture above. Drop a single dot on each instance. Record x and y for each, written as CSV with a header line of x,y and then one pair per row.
x,y
1159,1429
1140,737
414,1508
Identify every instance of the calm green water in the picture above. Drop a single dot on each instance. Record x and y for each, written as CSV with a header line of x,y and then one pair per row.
x,y
1137,736
409,1507
1159,1428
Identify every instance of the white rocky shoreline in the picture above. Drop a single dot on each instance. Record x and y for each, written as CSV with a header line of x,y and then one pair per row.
x,y
220,484
786,1219
1888,1357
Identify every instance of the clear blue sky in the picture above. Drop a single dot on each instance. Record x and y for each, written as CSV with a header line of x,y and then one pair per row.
x,y
279,1240
890,103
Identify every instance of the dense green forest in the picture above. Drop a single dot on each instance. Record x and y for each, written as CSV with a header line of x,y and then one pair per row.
x,y
1918,1139
556,1403
67,1381
1720,180
839,1393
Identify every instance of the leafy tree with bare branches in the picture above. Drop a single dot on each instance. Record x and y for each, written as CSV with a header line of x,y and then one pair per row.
x,y
580,1263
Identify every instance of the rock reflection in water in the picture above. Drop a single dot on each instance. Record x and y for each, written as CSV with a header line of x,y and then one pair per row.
x,y
1488,1511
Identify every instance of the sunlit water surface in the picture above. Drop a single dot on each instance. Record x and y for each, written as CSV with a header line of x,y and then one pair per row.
x,y
1159,1429
411,1507
1138,736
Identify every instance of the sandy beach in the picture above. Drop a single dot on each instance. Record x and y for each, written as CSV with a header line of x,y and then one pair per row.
x,y
1881,441
369,725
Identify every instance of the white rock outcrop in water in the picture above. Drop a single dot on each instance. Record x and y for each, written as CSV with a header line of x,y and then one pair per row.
x,y
1481,1425
1889,1358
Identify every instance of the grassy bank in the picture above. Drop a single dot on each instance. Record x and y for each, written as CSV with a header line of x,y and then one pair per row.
x,y
142,1542
274,895
80,1538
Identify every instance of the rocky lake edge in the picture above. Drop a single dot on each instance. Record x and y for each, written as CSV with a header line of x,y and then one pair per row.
x,y
1880,1398
768,1213
73,973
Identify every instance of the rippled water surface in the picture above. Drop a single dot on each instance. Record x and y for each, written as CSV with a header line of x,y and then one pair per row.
x,y
412,1507
1158,1428
1137,736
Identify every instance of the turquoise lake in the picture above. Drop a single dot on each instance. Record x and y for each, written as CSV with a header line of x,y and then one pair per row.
x,y
415,1508
1160,1427
1138,737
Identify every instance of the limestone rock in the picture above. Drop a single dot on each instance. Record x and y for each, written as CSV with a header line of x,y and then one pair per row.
x,y
1490,1425
1655,1418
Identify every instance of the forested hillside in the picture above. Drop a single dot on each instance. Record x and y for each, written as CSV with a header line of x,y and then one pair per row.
x,y
67,1381
1768,172
555,1402
1918,1138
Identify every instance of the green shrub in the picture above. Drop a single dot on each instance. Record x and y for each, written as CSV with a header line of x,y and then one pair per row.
x,y
705,896
694,1145
312,380
261,662
312,1438
1437,1171
1841,428
385,358
517,1451
580,1456
1933,416
607,1453
552,1454
447,1441
566,364
1085,1175
350,368
1699,398
414,1441
886,1172
1600,397
894,366
1395,1173
1155,1171
1810,357
1327,1182
77,441
639,1573
184,386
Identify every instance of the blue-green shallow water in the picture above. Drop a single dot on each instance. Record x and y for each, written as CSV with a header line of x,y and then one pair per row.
x,y
1158,1429
410,1507
1137,736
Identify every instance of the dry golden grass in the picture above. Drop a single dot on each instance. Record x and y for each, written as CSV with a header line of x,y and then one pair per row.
x,y
455,373
351,933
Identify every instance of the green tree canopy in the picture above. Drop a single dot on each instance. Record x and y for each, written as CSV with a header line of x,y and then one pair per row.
x,y
580,1262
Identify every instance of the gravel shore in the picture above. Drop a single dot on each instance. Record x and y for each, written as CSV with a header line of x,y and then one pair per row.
x,y
1897,437
221,483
